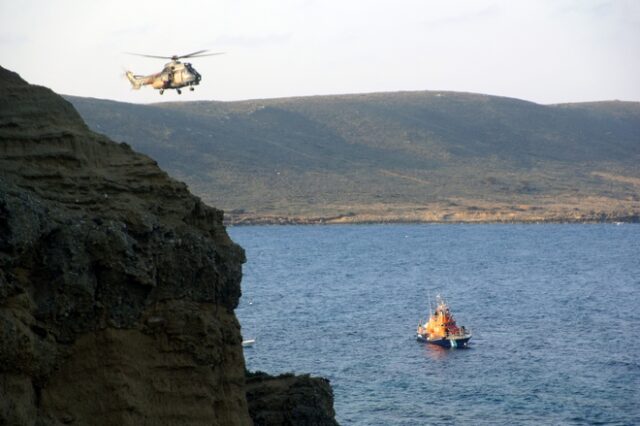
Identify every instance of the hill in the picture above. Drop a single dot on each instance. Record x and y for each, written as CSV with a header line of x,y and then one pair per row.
x,y
407,156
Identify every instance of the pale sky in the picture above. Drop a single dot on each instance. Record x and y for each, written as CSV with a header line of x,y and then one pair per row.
x,y
546,51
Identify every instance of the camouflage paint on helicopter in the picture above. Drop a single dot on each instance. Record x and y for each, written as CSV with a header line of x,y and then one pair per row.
x,y
175,74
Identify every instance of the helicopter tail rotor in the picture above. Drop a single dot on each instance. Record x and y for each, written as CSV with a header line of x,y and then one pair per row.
x,y
135,82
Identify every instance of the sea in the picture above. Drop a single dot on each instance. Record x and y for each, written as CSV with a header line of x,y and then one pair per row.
x,y
554,310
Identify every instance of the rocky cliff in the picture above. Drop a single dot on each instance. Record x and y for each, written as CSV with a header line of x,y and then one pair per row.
x,y
289,400
117,286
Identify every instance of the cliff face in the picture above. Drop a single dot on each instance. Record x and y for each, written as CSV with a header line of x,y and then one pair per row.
x,y
117,286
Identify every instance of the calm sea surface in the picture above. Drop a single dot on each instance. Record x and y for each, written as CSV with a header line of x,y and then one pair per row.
x,y
554,311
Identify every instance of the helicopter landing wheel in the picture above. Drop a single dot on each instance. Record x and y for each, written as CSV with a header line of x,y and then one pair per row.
x,y
192,89
179,91
161,91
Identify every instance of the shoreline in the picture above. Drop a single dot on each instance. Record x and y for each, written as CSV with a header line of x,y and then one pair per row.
x,y
467,211
290,221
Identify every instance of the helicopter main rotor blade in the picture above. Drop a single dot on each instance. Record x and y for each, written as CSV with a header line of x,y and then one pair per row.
x,y
200,56
148,56
188,55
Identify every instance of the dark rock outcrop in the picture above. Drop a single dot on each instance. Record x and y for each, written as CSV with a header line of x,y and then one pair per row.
x,y
117,286
289,400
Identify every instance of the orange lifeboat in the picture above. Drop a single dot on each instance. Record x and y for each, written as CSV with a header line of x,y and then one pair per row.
x,y
441,328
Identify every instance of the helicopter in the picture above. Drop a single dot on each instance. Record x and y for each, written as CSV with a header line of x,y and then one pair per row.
x,y
174,75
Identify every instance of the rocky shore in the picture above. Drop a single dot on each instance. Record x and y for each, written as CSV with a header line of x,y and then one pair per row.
x,y
118,287
436,216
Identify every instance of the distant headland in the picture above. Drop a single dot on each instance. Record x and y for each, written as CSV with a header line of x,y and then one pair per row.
x,y
436,157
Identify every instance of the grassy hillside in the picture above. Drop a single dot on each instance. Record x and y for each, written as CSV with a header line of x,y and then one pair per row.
x,y
416,156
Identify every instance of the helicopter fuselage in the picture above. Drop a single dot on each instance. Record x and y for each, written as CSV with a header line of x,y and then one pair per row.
x,y
175,75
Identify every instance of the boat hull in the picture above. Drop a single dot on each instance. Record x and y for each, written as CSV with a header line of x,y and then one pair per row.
x,y
460,342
